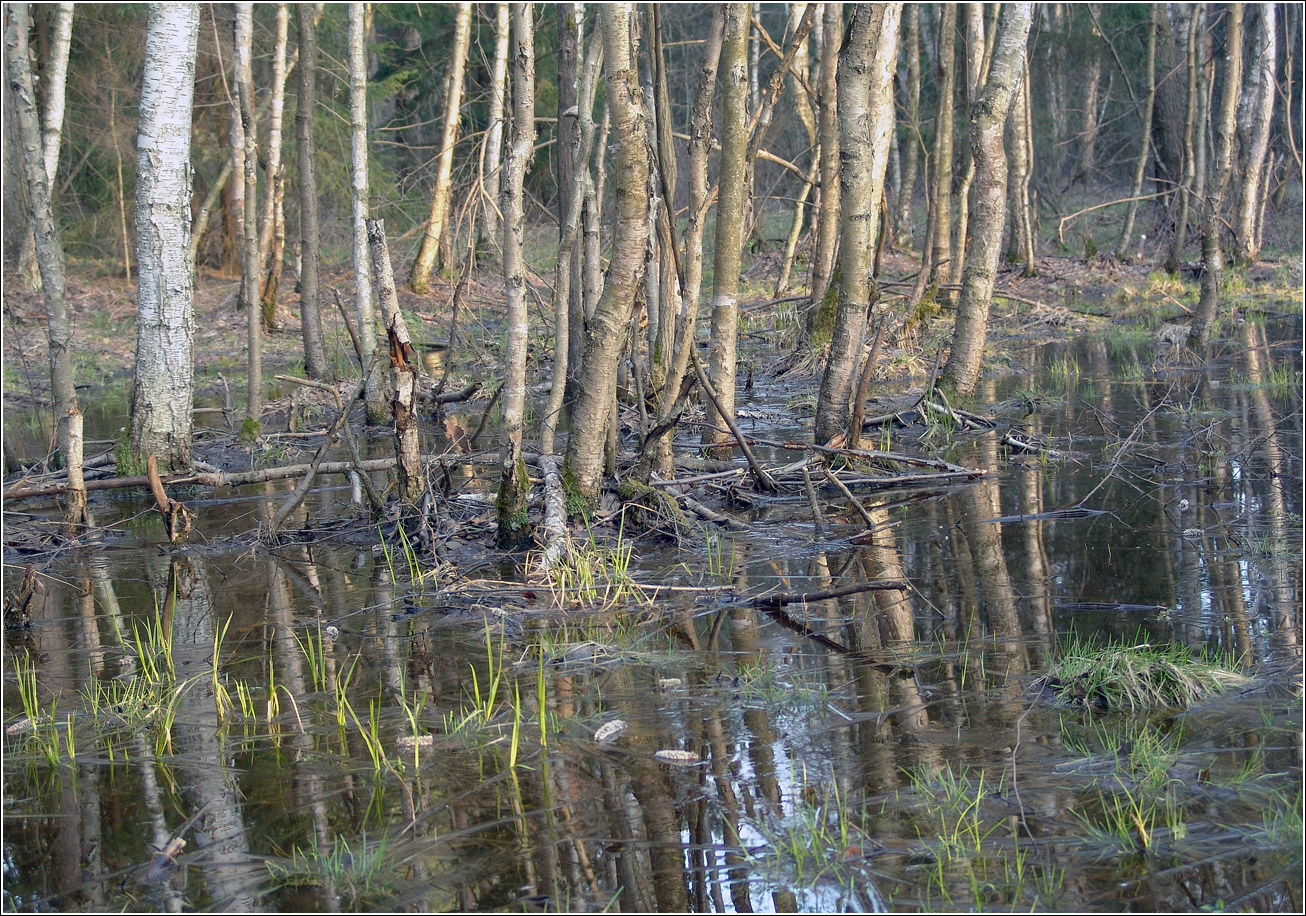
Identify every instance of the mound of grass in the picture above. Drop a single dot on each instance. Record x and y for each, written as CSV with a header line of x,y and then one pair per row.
x,y
1121,676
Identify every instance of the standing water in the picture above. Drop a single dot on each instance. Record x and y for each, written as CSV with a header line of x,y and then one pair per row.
x,y
1085,694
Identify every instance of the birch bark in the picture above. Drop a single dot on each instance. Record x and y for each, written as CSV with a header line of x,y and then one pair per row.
x,y
867,63
163,397
514,484
436,227
606,333
979,274
729,225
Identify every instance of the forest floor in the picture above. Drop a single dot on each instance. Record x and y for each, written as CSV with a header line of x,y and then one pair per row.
x,y
1067,296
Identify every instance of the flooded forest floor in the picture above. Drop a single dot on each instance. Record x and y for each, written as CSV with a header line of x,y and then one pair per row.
x,y
1041,650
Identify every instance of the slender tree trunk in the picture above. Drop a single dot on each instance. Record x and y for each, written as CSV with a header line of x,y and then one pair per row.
x,y
434,241
941,211
376,411
605,336
1189,22
657,451
233,246
729,224
491,166
164,394
591,270
514,484
1212,254
310,248
1145,147
244,75
827,228
1020,131
54,77
48,246
1254,116
974,24
668,278
563,272
867,63
568,110
269,266
1088,123
403,371
800,69
987,119
911,24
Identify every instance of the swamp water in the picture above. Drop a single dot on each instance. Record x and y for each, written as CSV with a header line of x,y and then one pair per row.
x,y
326,725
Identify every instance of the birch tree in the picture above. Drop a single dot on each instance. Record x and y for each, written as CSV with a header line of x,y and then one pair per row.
x,y
244,74
1254,114
1145,145
731,200
941,195
867,62
310,253
490,165
270,254
54,76
979,274
657,450
1212,253
827,224
37,175
911,31
514,484
164,395
606,333
376,412
434,238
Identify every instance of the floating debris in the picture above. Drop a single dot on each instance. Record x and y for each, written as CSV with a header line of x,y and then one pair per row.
x,y
610,731
678,758
21,727
411,741
670,683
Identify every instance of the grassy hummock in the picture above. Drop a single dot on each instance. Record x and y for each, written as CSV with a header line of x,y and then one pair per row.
x,y
1122,676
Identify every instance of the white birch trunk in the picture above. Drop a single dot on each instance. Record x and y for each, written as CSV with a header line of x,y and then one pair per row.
x,y
271,270
376,412
514,484
1254,131
161,421
436,227
491,166
866,66
244,39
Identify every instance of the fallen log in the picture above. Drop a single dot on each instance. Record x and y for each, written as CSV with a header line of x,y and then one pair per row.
x,y
557,543
207,478
771,602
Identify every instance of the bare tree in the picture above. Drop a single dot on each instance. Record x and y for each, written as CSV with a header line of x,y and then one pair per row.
x,y
1149,106
827,231
606,333
54,77
564,275
490,166
376,412
657,450
1212,254
987,118
244,36
1088,121
911,29
49,249
1254,115
729,223
271,234
1020,153
514,484
310,249
867,63
1188,25
941,196
164,394
436,227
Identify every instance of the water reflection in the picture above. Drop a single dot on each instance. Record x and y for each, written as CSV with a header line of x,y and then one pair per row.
x,y
815,736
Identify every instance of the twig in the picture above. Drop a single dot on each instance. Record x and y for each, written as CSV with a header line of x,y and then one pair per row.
x,y
763,478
